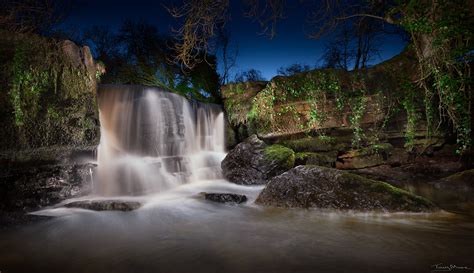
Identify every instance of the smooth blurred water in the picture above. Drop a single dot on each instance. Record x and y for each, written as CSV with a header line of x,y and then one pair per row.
x,y
153,140
179,231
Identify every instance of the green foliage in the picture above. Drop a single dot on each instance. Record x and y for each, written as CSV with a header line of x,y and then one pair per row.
x,y
441,33
50,98
409,104
27,85
262,112
139,54
358,109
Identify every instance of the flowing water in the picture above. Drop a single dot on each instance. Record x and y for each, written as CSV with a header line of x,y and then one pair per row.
x,y
154,140
163,151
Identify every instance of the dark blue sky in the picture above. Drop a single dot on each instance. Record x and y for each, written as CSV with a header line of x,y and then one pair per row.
x,y
291,44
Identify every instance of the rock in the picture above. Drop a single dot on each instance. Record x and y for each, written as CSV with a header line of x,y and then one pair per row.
x,y
27,187
310,144
253,162
225,197
319,159
320,187
462,182
105,205
374,155
420,170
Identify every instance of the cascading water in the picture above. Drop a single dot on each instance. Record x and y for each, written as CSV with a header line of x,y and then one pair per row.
x,y
153,140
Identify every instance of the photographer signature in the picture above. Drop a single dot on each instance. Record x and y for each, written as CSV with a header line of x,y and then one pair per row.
x,y
450,267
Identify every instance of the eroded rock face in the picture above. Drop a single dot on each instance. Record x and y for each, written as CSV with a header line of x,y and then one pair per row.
x,y
319,187
30,180
231,198
253,162
105,205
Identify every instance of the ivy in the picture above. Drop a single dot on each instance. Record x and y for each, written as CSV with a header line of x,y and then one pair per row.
x,y
358,110
441,33
412,118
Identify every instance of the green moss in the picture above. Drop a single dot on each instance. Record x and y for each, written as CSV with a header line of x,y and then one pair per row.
x,y
380,148
318,159
280,154
384,188
310,144
50,98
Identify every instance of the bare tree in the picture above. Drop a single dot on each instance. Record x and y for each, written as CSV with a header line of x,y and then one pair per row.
x,y
32,15
102,41
293,69
228,54
249,75
267,14
201,20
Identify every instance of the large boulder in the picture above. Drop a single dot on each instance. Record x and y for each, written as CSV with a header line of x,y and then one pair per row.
x,y
320,187
253,162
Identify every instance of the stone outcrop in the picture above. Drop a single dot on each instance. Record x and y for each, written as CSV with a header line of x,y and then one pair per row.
x,y
49,120
50,93
37,179
105,205
253,162
326,188
227,198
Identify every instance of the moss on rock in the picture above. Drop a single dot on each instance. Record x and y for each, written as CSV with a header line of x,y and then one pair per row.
x,y
49,94
280,154
310,144
319,187
319,159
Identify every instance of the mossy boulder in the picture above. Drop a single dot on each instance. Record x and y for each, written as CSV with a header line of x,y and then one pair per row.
x,y
254,162
281,155
319,187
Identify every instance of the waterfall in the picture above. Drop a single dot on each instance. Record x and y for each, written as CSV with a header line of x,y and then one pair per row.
x,y
153,140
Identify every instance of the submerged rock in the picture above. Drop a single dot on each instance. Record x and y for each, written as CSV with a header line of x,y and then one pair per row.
x,y
104,205
254,162
319,187
225,197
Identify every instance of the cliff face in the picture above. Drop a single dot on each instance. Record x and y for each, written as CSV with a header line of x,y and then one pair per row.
x,y
49,120
48,93
365,107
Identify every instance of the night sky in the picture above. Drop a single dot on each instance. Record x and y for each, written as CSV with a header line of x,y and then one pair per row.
x,y
291,44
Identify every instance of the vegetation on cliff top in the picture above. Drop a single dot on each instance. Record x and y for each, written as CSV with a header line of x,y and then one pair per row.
x,y
48,96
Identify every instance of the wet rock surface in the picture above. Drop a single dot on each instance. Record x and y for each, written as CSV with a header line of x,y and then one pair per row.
x,y
225,197
253,162
319,187
29,188
105,205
